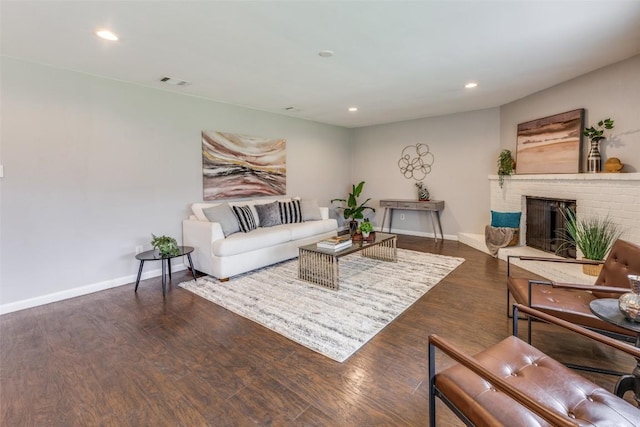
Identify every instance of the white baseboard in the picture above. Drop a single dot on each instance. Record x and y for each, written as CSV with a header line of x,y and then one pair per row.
x,y
83,290
418,233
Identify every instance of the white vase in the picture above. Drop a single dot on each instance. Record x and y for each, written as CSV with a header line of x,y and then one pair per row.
x,y
365,234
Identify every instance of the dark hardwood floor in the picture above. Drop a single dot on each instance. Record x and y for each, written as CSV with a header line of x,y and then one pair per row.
x,y
124,359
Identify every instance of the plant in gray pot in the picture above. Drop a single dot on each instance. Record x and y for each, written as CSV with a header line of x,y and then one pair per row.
x,y
352,210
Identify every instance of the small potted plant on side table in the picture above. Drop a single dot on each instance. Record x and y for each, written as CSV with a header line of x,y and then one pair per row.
x,y
166,246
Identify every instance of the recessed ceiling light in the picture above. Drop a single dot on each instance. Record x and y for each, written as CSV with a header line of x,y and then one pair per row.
x,y
353,109
107,35
326,53
471,85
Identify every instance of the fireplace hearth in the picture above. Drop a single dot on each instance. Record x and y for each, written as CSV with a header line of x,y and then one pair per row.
x,y
546,225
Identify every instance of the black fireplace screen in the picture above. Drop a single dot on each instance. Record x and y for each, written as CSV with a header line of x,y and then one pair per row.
x,y
546,224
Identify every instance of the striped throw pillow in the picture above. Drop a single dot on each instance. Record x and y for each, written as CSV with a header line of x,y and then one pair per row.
x,y
245,218
290,212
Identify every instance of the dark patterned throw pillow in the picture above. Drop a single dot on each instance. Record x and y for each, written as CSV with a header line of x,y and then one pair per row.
x,y
290,212
245,218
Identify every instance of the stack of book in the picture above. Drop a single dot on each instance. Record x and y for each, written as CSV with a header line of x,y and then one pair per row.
x,y
335,243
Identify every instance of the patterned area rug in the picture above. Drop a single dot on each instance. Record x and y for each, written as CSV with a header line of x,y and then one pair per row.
x,y
334,323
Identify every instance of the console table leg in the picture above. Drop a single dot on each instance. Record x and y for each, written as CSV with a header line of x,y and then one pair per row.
x,y
433,225
384,217
439,225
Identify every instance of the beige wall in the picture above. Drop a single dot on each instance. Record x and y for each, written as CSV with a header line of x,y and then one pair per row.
x,y
94,166
465,147
612,91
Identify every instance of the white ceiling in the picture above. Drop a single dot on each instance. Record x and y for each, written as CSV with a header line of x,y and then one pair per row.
x,y
394,60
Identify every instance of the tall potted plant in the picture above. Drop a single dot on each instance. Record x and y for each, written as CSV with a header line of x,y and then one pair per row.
x,y
352,210
592,236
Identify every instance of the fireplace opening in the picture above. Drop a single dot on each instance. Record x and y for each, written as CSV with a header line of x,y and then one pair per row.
x,y
546,225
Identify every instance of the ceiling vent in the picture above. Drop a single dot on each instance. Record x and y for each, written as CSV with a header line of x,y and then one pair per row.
x,y
175,82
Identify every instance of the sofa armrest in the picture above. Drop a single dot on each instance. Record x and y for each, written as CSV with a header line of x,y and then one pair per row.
x,y
618,345
324,212
201,234
579,287
470,363
561,260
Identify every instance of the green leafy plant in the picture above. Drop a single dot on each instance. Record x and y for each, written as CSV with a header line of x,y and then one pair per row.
x,y
596,134
167,246
506,165
593,236
351,208
366,226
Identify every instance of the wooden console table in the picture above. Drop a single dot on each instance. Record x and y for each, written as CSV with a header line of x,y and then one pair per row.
x,y
433,206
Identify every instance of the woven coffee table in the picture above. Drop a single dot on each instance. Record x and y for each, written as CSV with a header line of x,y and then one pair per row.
x,y
320,266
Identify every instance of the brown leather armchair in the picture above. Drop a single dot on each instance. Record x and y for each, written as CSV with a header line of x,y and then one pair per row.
x,y
571,302
515,384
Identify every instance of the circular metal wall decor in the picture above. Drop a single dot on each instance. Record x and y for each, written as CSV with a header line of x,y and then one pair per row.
x,y
415,161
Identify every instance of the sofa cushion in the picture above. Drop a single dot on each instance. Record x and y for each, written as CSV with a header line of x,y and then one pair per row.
x,y
259,238
197,209
246,220
268,214
310,210
223,215
311,228
290,212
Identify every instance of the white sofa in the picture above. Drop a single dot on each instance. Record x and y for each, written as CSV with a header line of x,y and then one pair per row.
x,y
223,257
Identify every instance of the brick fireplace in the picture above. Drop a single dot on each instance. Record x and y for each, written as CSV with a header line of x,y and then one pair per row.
x,y
596,195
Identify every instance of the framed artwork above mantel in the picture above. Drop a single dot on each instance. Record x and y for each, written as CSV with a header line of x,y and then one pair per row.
x,y
551,144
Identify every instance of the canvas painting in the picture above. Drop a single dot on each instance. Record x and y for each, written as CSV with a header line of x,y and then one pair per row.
x,y
238,166
551,144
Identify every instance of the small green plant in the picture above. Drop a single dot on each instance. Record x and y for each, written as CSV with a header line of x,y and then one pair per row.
x,y
366,226
593,236
596,134
506,165
167,246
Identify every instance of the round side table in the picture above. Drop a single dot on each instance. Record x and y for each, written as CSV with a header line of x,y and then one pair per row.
x,y
153,255
607,310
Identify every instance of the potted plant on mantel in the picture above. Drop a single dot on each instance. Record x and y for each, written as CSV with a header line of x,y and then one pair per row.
x,y
352,210
592,236
506,165
596,134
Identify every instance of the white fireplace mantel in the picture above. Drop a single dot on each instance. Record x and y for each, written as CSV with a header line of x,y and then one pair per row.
x,y
573,177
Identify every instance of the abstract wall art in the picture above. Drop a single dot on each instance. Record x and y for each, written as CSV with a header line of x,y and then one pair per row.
x,y
550,145
237,166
